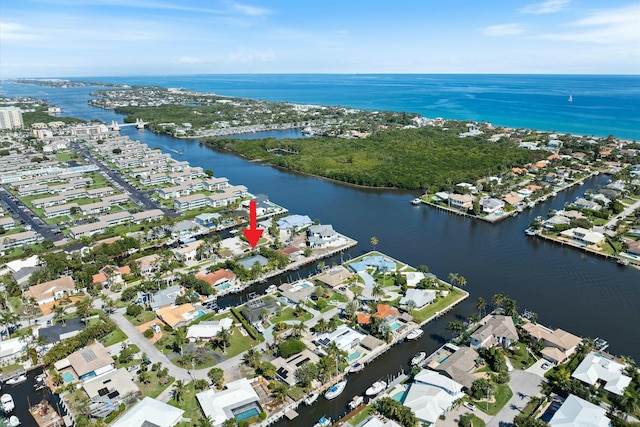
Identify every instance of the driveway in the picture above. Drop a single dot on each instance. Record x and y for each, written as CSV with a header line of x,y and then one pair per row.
x,y
524,386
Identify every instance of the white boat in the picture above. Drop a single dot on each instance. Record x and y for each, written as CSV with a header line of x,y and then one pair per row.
x,y
376,388
323,422
357,401
271,289
530,231
16,380
415,334
335,390
418,358
416,201
14,421
570,98
6,401
310,399
356,367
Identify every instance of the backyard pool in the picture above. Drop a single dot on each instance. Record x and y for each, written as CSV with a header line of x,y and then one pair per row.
x,y
394,326
399,396
300,286
443,358
68,377
246,412
353,356
224,286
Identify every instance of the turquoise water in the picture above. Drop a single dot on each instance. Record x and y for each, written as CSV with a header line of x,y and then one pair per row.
x,y
199,314
399,397
247,414
443,358
68,377
353,356
395,325
225,286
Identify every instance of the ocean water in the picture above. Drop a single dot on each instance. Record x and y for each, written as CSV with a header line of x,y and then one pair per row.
x,y
602,104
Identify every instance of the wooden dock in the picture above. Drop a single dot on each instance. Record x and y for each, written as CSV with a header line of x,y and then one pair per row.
x,y
45,416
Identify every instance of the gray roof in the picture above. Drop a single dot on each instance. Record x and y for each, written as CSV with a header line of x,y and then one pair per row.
x,y
60,331
249,262
165,297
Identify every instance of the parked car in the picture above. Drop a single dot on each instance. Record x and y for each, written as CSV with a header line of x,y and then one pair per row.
x,y
546,365
468,405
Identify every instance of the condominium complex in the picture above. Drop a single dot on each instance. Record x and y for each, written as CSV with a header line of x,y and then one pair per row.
x,y
10,118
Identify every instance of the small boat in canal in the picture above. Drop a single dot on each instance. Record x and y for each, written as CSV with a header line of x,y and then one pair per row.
x,y
356,367
310,399
376,388
7,404
16,380
323,422
355,402
335,390
14,421
415,334
417,201
418,358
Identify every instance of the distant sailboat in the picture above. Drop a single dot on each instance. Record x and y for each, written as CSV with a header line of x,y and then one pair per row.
x,y
570,98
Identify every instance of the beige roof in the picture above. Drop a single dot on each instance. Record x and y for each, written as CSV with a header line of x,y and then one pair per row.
x,y
48,289
173,316
89,359
335,276
497,326
119,379
558,338
146,262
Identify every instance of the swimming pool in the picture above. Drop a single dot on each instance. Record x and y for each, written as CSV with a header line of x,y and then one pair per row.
x,y
199,314
68,377
394,326
443,358
224,286
400,396
252,411
300,286
353,356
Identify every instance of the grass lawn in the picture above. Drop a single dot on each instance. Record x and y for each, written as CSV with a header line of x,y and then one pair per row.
x,y
455,295
144,317
114,337
336,297
362,415
10,368
521,359
296,393
477,422
289,314
190,406
502,396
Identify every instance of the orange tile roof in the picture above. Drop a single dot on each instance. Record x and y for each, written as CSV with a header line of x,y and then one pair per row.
x,y
383,310
172,316
553,157
216,276
540,164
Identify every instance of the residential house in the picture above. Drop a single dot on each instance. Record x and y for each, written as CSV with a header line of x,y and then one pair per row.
x,y
583,236
208,329
322,236
459,365
581,203
344,337
461,201
116,385
551,223
52,290
90,361
177,316
335,276
249,262
208,219
286,368
491,205
148,264
559,344
294,222
165,297
238,397
577,412
413,278
600,371
255,310
110,275
187,252
498,330
431,395
220,279
421,297
150,412
385,312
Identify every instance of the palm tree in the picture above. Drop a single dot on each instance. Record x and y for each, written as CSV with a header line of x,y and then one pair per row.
x,y
223,336
453,279
498,299
377,291
374,242
630,401
321,326
510,307
179,388
205,422
462,281
456,327
411,305
481,305
351,309
180,335
299,328
59,312
82,307
252,358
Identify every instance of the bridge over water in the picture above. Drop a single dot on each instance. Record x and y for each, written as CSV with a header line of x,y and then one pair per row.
x,y
139,124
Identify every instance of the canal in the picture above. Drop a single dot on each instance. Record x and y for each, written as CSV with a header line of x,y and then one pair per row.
x,y
567,288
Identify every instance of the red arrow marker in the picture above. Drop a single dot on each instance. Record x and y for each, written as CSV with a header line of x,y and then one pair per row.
x,y
252,233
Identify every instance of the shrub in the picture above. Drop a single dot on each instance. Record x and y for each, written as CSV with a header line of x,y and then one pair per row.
x,y
148,333
133,310
290,347
263,415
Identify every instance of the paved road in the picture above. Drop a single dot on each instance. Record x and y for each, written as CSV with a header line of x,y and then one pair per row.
x,y
524,386
625,213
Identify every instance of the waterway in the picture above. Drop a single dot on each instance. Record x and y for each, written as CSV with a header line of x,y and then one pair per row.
x,y
567,288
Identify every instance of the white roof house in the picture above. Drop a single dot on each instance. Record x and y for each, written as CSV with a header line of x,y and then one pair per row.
x,y
576,412
344,337
413,278
238,397
432,395
148,412
206,330
582,234
597,369
421,297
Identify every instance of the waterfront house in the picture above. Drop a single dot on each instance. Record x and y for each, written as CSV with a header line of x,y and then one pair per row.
x,y
286,368
12,348
90,361
491,205
344,337
320,236
236,400
150,412
582,203
114,386
294,222
583,236
633,247
602,372
376,262
577,412
177,316
165,297
52,290
413,278
513,199
255,310
458,365
335,276
421,297
551,223
220,279
498,330
208,219
385,312
461,201
431,395
559,344
250,261
208,329
297,292
187,252
110,275
148,264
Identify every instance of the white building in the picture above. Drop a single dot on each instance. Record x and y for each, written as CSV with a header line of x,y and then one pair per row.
x,y
344,337
238,398
208,330
432,395
10,118
576,412
150,412
596,369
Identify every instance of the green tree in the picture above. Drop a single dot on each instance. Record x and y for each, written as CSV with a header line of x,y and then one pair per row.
x,y
456,327
252,358
481,306
216,375
179,389
306,373
374,242
481,388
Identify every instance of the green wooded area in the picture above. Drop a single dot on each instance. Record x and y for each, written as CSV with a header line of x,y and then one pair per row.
x,y
428,158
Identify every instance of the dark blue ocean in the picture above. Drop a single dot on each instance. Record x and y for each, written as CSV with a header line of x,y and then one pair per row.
x,y
602,104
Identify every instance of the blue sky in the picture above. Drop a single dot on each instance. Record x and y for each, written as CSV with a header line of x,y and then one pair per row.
x,y
58,38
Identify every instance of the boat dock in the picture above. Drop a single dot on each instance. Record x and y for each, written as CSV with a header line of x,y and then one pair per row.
x,y
45,416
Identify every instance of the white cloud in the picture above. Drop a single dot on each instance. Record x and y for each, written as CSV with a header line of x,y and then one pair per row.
x,y
613,26
250,10
549,6
246,56
190,60
503,30
15,31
